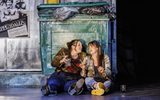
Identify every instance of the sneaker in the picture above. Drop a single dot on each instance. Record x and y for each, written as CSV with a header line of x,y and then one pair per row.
x,y
100,85
76,88
97,92
45,90
99,89
52,92
44,86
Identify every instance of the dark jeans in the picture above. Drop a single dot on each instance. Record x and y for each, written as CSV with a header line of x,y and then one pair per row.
x,y
61,81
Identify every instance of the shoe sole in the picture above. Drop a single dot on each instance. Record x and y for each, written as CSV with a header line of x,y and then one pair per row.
x,y
79,83
78,87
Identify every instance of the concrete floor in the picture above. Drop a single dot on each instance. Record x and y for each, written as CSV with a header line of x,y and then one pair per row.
x,y
144,92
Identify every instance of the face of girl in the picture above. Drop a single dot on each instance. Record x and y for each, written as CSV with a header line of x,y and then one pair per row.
x,y
78,47
92,49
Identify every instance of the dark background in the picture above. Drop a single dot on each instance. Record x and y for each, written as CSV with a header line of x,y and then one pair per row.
x,y
137,42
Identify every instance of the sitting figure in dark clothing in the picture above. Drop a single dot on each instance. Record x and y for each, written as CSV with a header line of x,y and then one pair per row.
x,y
67,76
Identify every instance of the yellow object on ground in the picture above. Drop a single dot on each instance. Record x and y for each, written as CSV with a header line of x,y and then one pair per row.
x,y
99,90
52,1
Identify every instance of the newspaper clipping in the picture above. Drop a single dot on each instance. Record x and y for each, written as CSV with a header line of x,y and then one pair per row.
x,y
14,18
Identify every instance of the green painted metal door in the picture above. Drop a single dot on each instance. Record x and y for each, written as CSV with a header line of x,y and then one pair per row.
x,y
55,35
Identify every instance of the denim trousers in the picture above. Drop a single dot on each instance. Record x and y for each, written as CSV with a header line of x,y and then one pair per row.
x,y
90,81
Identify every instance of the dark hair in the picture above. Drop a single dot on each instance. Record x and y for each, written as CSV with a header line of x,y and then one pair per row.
x,y
94,42
97,44
74,42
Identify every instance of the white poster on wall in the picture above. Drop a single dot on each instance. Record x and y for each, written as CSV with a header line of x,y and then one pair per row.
x,y
14,18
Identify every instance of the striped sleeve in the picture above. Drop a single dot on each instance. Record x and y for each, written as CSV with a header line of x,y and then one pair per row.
x,y
107,65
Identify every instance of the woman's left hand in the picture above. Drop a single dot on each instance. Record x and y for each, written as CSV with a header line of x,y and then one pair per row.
x,y
100,69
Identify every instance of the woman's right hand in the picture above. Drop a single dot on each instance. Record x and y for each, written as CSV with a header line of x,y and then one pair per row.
x,y
64,60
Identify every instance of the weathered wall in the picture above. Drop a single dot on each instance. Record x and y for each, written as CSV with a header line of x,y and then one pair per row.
x,y
20,63
22,54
